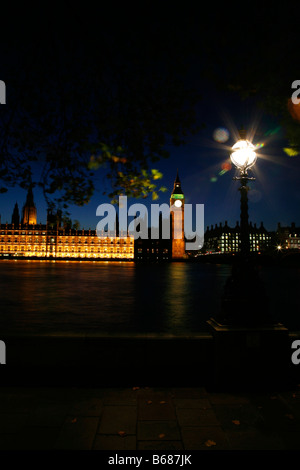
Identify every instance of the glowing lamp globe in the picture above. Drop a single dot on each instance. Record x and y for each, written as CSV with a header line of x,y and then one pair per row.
x,y
243,155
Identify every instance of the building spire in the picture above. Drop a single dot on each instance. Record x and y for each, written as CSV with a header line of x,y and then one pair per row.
x,y
177,185
29,198
15,218
29,209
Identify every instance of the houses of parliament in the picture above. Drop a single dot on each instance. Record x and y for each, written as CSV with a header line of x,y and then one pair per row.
x,y
24,238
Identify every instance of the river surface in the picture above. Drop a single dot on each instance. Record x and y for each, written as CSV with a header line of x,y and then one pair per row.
x,y
125,297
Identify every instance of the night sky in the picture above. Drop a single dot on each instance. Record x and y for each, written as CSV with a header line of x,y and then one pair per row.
x,y
203,160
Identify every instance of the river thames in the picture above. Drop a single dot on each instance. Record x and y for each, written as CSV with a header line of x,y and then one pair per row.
x,y
40,297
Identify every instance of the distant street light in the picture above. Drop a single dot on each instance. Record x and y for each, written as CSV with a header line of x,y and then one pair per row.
x,y
244,157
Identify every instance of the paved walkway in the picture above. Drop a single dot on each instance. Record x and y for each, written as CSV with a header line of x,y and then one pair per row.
x,y
147,419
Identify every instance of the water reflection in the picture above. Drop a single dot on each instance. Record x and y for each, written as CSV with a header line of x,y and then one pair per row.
x,y
40,297
178,293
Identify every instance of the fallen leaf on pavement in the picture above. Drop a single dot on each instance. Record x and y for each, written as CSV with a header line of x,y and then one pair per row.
x,y
161,436
236,421
122,433
210,443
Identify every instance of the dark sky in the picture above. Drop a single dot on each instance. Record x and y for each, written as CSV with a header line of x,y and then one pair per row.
x,y
262,40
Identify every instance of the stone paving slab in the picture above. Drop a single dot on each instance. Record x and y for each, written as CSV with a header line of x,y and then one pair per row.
x,y
114,442
160,445
77,433
146,418
197,417
156,410
204,438
158,431
118,419
194,403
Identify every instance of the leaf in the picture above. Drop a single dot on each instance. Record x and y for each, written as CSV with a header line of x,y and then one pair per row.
x,y
161,436
74,420
209,443
156,174
291,152
122,433
162,402
236,421
149,402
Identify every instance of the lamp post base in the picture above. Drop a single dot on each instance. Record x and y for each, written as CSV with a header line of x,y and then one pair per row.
x,y
251,358
250,349
244,301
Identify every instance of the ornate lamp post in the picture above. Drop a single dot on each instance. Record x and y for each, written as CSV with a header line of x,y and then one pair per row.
x,y
244,300
243,331
244,157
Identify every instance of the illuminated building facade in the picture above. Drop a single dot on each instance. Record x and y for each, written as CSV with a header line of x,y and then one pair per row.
x,y
225,239
288,237
26,238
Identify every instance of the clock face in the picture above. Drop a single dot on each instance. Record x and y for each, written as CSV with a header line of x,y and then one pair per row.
x,y
178,203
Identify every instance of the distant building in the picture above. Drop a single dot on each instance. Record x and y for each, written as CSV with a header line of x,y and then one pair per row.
x,y
152,249
226,239
288,237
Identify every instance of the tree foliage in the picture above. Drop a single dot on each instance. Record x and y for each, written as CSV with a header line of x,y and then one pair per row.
x,y
91,95
257,61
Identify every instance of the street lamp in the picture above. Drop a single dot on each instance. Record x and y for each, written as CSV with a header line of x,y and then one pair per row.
x,y
243,156
243,329
243,291
244,300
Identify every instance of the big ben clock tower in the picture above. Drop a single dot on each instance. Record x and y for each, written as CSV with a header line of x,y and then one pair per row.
x,y
177,220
